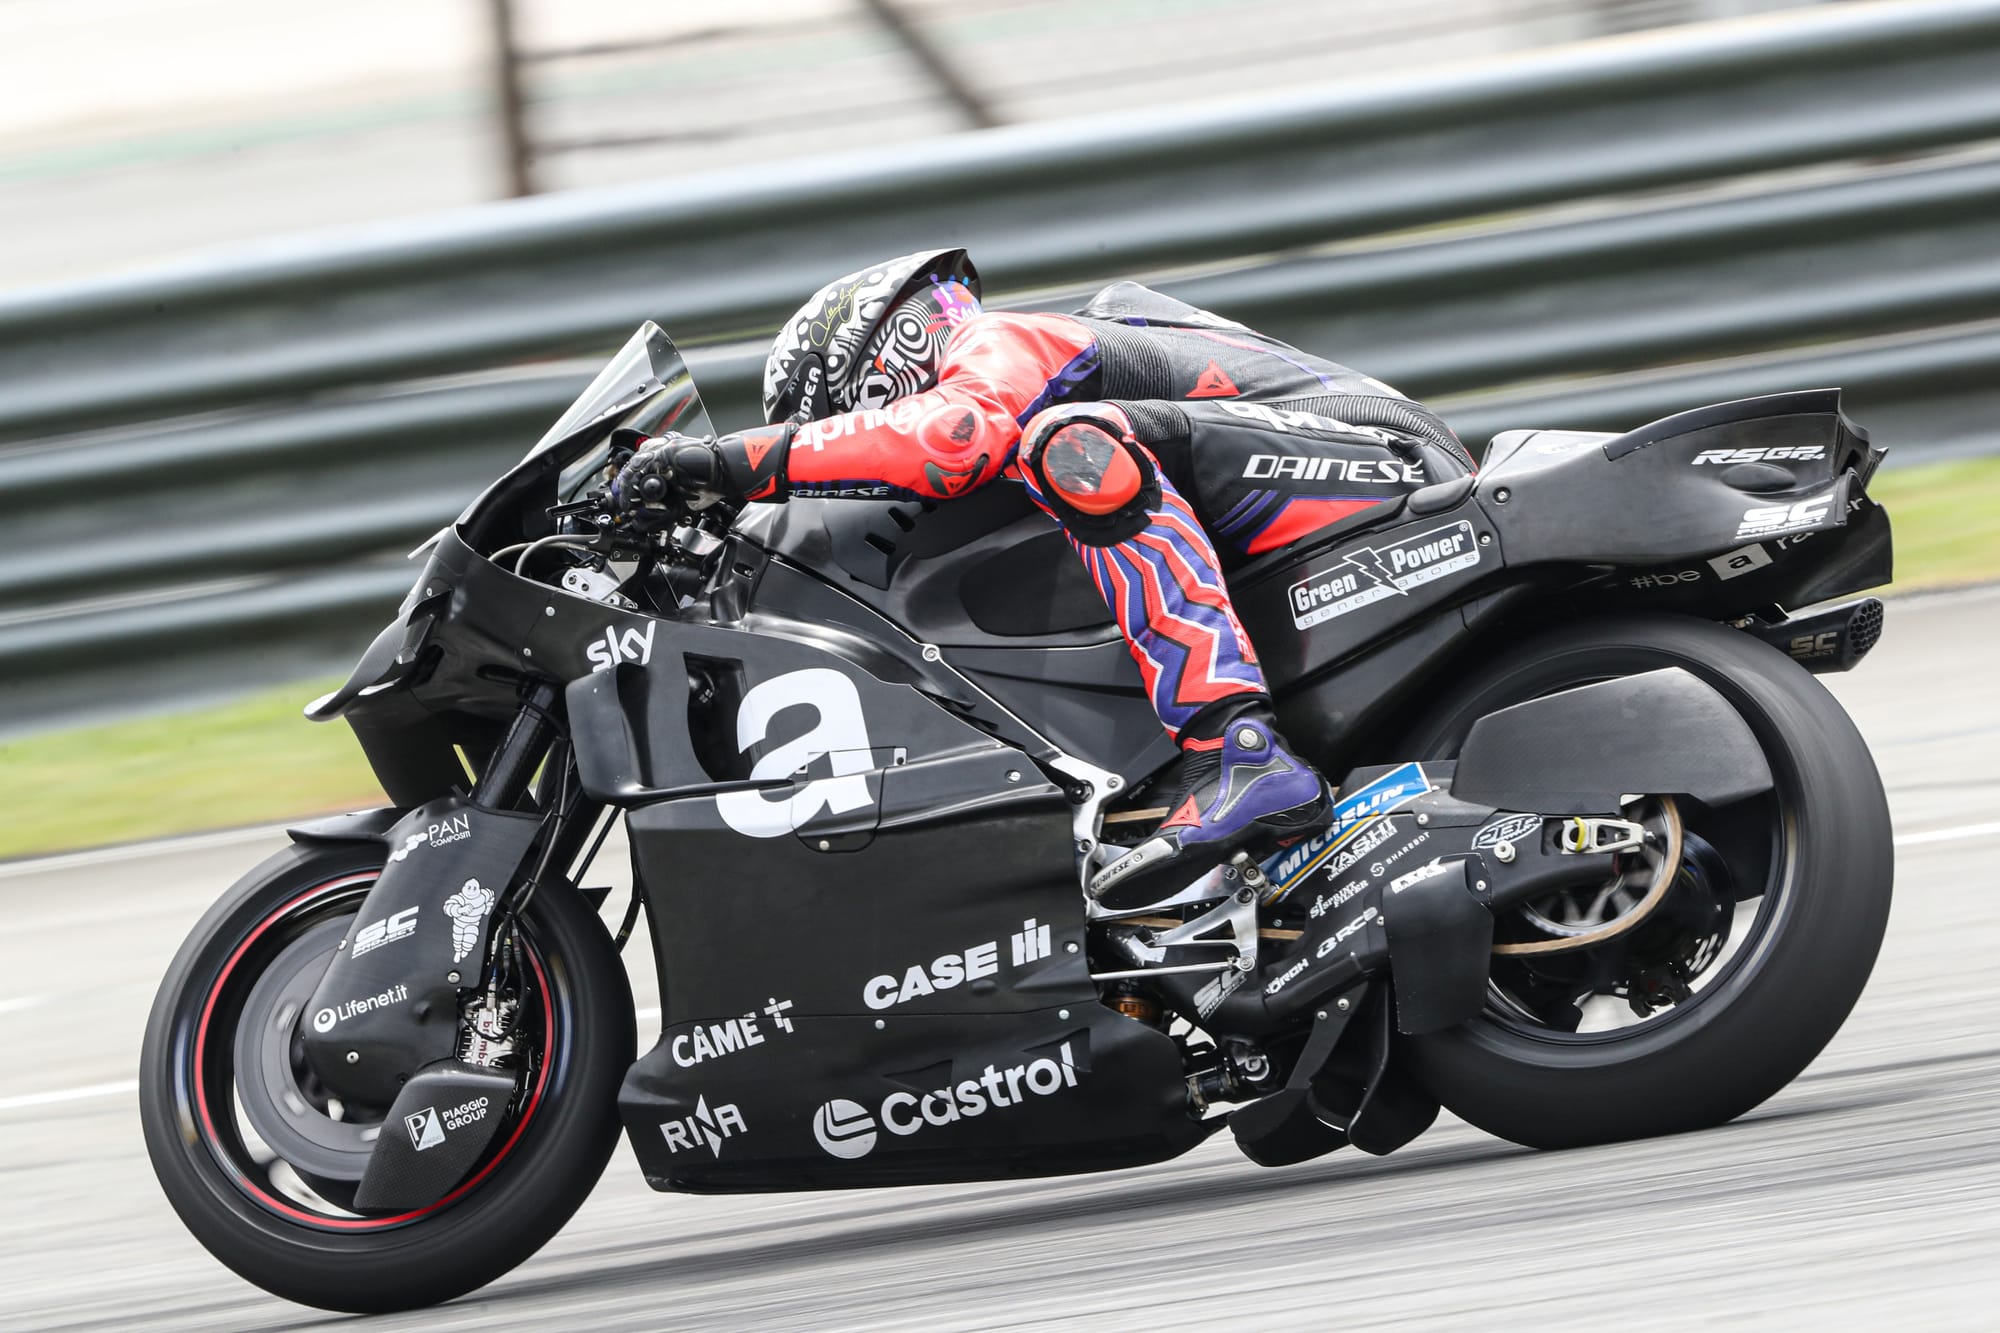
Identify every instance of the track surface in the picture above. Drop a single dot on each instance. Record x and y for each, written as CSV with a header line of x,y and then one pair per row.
x,y
1865,1195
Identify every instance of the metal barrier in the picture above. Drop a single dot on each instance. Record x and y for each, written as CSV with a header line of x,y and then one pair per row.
x,y
204,465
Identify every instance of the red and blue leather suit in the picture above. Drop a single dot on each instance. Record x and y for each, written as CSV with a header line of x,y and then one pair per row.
x,y
1108,416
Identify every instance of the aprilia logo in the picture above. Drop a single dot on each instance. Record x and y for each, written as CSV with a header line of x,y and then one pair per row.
x,y
702,1129
898,416
840,736
633,645
1743,560
845,1129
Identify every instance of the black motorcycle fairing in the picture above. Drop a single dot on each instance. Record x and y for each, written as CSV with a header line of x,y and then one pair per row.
x,y
1664,732
1440,940
1306,614
1086,699
836,1103
1355,706
873,979
989,583
1688,481
388,1004
355,826
716,705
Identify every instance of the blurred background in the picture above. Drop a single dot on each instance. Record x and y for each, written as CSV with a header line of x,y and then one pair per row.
x,y
138,130
284,285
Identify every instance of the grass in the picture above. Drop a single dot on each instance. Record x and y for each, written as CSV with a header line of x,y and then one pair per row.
x,y
247,762
1947,522
256,760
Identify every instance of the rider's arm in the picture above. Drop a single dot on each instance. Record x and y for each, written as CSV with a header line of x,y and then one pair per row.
x,y
957,435
999,370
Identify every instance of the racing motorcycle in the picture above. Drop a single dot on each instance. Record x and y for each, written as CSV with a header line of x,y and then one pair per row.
x,y
1608,861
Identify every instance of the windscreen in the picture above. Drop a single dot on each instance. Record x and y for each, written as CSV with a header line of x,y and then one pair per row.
x,y
647,387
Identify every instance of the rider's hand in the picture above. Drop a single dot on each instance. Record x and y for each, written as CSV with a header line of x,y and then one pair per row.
x,y
659,470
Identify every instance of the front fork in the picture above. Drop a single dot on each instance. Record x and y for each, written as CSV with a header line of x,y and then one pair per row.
x,y
460,871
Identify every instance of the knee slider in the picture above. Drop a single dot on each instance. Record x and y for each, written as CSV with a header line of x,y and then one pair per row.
x,y
1094,473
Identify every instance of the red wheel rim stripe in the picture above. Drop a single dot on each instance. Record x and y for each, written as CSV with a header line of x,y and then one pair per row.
x,y
359,1223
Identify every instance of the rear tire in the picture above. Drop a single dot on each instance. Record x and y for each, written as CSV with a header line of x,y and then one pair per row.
x,y
370,1265
1735,1043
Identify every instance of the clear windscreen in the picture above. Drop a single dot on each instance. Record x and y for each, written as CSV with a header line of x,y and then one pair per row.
x,y
646,387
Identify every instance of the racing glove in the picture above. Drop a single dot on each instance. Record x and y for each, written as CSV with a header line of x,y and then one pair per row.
x,y
702,470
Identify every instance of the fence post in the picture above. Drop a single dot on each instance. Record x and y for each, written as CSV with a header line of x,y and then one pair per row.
x,y
977,110
509,105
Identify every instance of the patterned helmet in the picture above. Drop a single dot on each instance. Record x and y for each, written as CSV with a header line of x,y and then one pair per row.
x,y
870,337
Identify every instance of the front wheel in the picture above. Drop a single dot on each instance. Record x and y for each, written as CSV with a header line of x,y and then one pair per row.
x,y
261,1163
1748,966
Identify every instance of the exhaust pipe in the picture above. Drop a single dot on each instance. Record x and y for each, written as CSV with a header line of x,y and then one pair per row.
x,y
1831,640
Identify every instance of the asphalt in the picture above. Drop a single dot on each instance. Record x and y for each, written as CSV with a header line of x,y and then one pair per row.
x,y
1865,1195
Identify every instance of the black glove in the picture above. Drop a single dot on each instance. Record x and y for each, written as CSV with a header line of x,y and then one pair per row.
x,y
670,467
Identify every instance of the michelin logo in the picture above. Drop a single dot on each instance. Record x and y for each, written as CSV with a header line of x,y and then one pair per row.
x,y
1357,830
1370,574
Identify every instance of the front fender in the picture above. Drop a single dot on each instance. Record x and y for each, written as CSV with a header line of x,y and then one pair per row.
x,y
355,826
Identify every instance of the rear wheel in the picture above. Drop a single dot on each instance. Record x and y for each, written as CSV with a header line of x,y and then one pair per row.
x,y
1730,985
261,1164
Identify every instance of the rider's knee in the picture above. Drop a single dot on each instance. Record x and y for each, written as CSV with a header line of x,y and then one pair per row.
x,y
1087,468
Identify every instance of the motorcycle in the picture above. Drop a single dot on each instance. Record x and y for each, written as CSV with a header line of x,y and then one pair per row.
x,y
1607,860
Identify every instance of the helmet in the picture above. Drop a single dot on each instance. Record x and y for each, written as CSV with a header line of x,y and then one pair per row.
x,y
870,337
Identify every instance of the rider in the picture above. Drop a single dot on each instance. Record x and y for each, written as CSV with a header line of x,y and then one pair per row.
x,y
893,382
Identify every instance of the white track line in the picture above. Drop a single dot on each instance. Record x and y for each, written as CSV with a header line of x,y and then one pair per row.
x,y
70,1095
134,851
1948,834
22,1002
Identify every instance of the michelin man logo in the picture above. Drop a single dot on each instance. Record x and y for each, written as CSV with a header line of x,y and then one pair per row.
x,y
467,909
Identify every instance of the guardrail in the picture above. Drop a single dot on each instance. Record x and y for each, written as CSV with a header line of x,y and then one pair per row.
x,y
201,468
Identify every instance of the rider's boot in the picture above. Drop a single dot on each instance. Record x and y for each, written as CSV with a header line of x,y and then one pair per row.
x,y
1238,787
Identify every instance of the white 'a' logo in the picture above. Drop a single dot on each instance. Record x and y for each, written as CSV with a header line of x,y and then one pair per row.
x,y
841,734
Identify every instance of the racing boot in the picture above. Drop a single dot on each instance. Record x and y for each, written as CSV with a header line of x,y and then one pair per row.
x,y
1239,787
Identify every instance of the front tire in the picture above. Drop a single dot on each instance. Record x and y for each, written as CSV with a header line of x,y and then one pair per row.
x,y
1815,922
282,1227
